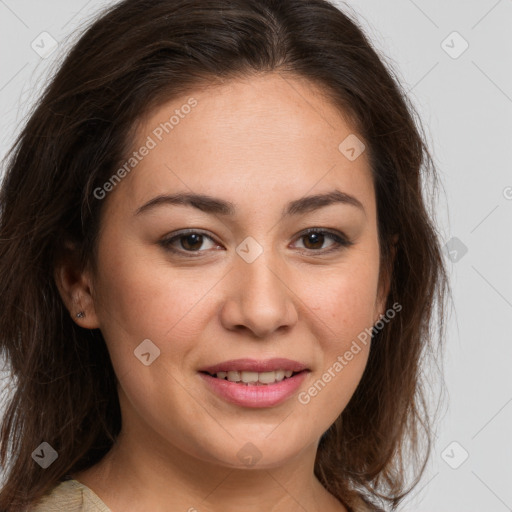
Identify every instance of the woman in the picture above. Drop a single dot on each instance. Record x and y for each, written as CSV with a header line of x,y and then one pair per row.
x,y
220,277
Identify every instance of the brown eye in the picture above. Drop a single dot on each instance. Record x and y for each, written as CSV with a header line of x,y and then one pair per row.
x,y
191,242
313,240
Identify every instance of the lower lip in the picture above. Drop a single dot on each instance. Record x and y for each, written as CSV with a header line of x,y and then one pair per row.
x,y
244,395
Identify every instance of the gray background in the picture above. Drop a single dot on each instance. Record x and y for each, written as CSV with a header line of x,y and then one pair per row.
x,y
465,101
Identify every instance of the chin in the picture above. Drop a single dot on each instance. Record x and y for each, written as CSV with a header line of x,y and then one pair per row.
x,y
263,450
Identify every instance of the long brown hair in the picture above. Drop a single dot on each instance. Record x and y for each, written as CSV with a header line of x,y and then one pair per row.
x,y
135,56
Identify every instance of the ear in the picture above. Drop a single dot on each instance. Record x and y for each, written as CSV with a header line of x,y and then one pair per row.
x,y
385,278
75,287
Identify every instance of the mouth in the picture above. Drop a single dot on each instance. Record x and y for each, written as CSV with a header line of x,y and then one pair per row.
x,y
253,383
250,378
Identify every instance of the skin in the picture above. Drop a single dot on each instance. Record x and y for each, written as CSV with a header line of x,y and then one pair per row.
x,y
258,143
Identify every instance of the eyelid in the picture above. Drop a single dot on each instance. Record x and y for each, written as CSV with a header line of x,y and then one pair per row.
x,y
167,241
341,240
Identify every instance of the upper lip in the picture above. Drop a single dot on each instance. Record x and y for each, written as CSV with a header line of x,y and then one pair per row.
x,y
254,365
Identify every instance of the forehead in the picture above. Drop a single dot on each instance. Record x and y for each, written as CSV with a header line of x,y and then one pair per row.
x,y
253,137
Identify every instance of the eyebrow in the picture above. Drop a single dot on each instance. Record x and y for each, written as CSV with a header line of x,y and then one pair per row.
x,y
217,206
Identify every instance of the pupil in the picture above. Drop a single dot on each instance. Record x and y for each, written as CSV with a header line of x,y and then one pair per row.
x,y
315,238
195,239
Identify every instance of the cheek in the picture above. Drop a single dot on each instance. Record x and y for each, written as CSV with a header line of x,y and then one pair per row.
x,y
344,300
344,309
140,297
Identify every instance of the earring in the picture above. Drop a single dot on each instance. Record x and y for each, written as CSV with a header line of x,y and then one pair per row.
x,y
80,314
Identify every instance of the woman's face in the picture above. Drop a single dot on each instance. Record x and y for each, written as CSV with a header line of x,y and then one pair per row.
x,y
245,281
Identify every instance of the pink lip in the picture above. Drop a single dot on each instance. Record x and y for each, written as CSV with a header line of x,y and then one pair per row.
x,y
253,365
267,395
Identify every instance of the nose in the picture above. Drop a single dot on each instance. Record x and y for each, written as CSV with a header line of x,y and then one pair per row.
x,y
258,299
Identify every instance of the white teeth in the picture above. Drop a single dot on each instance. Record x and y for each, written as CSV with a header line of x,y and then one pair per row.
x,y
234,376
255,378
267,377
249,377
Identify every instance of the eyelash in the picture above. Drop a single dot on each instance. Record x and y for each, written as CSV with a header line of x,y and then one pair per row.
x,y
339,238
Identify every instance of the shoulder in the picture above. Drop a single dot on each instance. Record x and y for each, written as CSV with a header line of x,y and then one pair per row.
x,y
70,496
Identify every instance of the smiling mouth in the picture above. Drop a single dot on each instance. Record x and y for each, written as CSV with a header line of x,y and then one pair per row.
x,y
249,378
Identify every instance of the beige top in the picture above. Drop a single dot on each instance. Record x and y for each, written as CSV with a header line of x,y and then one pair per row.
x,y
73,496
